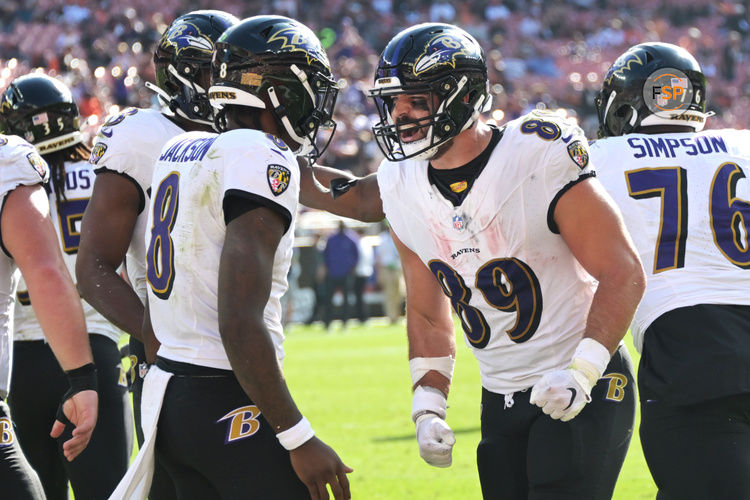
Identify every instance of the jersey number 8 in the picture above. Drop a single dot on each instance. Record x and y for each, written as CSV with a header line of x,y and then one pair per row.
x,y
160,252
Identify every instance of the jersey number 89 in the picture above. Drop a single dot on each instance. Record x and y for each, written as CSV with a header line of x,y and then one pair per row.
x,y
507,284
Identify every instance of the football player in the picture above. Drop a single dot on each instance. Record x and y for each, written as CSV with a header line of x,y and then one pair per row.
x,y
30,243
219,245
509,228
42,110
685,197
123,157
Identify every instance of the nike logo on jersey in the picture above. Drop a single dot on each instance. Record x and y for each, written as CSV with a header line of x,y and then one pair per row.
x,y
573,394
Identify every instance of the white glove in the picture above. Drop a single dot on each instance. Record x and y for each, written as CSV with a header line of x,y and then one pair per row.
x,y
435,440
562,394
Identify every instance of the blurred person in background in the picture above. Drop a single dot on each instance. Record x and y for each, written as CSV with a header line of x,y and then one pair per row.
x,y
311,259
685,197
362,273
340,257
42,109
390,276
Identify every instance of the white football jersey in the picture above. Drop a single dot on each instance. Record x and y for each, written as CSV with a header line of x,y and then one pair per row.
x,y
129,144
186,229
521,295
20,165
66,216
686,202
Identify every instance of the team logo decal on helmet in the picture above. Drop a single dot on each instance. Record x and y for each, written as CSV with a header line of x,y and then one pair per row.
x,y
278,178
292,41
440,51
622,65
187,36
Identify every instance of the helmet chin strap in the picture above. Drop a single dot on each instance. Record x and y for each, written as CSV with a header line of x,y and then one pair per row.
x,y
610,100
428,139
160,93
306,145
166,99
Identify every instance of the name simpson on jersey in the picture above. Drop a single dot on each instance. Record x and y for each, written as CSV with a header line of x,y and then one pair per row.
x,y
187,150
670,147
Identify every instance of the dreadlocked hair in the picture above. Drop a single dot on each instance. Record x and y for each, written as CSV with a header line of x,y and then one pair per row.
x,y
56,161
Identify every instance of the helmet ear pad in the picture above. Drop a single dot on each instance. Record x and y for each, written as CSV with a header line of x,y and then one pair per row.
x,y
626,117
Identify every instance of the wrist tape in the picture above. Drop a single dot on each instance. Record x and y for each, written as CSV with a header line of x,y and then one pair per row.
x,y
420,366
297,435
591,359
80,379
428,400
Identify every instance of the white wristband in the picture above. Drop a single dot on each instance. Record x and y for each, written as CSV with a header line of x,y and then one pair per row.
x,y
591,358
297,435
428,400
420,366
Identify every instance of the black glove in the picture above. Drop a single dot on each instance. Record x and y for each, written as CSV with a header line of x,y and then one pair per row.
x,y
341,185
80,379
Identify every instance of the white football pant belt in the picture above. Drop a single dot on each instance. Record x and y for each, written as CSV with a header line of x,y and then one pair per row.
x,y
136,483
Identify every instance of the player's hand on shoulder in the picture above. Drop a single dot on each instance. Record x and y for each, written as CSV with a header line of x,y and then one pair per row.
x,y
561,394
317,465
435,440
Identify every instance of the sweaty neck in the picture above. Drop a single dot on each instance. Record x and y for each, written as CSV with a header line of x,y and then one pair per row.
x,y
463,148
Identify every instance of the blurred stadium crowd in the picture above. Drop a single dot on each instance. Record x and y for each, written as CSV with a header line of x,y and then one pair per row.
x,y
541,53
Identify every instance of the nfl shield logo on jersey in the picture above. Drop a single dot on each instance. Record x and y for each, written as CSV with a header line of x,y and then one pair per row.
x,y
458,223
278,178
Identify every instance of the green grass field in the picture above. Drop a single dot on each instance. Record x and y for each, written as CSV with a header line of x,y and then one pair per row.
x,y
353,386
